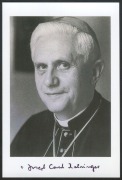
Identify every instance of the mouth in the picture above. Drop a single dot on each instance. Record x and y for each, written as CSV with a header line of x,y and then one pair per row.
x,y
54,93
53,96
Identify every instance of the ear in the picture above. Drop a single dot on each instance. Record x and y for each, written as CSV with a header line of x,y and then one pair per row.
x,y
97,71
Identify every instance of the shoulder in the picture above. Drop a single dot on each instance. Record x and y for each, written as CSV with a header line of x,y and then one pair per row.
x,y
100,129
105,107
43,114
103,116
105,102
41,118
35,131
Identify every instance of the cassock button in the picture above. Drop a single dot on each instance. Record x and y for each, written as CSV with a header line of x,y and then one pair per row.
x,y
65,134
61,150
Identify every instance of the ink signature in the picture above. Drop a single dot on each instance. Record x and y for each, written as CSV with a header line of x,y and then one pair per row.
x,y
62,166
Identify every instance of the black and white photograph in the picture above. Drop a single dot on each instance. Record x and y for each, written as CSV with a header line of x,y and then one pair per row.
x,y
61,92
68,64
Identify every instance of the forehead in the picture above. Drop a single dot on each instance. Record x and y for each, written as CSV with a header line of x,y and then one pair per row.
x,y
53,47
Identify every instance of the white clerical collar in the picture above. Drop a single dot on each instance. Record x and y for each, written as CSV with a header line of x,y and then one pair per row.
x,y
64,123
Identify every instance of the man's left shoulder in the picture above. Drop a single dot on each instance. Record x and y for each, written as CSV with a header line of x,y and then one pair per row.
x,y
101,128
103,118
105,107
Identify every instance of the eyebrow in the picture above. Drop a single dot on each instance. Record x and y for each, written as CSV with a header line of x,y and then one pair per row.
x,y
38,63
54,62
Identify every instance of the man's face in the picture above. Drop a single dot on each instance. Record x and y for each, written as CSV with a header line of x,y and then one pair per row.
x,y
63,80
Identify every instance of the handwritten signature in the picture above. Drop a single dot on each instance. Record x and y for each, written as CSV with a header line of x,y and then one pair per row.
x,y
69,166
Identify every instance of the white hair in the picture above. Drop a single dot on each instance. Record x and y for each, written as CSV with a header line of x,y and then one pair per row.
x,y
84,43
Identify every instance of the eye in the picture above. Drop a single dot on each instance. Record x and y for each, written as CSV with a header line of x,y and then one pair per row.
x,y
41,67
63,66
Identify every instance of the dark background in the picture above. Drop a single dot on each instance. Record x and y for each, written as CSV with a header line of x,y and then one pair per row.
x,y
24,27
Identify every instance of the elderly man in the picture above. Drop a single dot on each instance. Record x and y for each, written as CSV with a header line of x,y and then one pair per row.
x,y
67,60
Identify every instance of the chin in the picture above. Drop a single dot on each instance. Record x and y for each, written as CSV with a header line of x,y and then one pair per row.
x,y
56,104
56,107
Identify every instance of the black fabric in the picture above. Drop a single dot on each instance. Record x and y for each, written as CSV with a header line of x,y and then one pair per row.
x,y
36,134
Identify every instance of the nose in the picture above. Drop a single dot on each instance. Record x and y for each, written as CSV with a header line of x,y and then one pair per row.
x,y
51,79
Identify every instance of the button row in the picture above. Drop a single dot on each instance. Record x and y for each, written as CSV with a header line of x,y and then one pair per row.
x,y
67,134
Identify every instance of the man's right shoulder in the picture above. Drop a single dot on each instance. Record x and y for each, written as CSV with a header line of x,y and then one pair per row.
x,y
35,131
44,117
36,123
45,113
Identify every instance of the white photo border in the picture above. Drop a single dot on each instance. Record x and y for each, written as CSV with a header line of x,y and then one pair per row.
x,y
18,167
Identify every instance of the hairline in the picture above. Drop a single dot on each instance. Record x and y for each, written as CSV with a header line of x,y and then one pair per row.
x,y
73,34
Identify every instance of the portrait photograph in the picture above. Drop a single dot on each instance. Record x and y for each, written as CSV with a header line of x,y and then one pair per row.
x,y
61,90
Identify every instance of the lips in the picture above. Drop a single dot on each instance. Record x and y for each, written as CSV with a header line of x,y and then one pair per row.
x,y
55,93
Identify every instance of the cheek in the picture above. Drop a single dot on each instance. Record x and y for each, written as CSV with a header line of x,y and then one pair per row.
x,y
78,83
73,85
38,81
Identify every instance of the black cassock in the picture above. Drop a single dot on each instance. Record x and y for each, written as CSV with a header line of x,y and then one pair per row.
x,y
41,135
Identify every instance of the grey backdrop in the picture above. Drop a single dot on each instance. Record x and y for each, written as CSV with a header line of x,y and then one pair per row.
x,y
24,100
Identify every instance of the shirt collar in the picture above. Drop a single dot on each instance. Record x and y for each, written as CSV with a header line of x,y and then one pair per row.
x,y
64,123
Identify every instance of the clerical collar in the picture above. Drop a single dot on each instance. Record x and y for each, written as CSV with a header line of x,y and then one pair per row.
x,y
64,123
